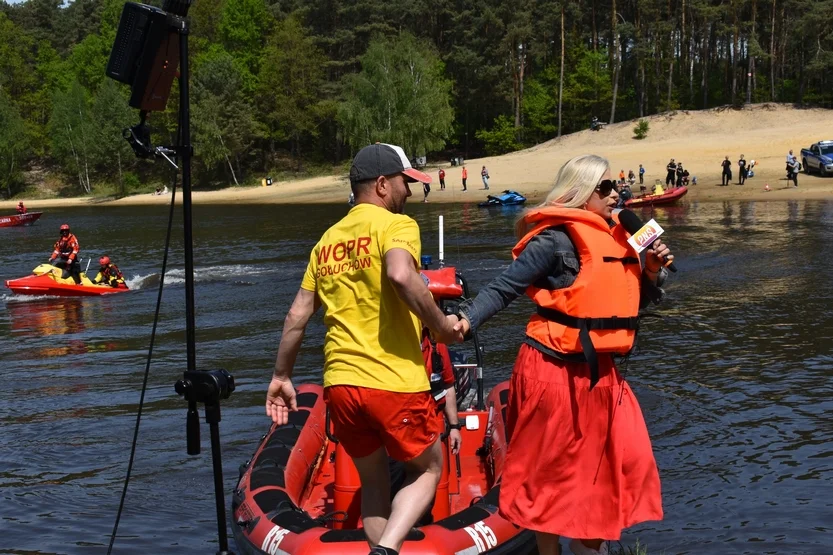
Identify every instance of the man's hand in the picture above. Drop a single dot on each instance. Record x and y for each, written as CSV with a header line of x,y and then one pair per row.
x,y
280,400
454,440
52,261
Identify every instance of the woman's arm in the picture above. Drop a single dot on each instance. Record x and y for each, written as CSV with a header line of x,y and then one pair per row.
x,y
549,255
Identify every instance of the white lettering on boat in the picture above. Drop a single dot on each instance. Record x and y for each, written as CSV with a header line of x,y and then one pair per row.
x,y
483,536
272,541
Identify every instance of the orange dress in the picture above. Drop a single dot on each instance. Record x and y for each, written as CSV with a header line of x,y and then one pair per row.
x,y
579,462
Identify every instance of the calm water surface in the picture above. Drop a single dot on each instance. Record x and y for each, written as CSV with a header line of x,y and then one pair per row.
x,y
735,381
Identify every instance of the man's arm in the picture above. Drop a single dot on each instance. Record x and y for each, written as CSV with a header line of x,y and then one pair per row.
x,y
450,410
401,271
280,397
306,303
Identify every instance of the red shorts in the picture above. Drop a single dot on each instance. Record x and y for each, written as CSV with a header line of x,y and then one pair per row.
x,y
365,419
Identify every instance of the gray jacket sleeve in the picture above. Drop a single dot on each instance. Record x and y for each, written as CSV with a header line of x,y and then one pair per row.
x,y
548,261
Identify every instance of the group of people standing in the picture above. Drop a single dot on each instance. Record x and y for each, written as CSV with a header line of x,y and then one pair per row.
x,y
744,169
676,175
464,176
65,257
579,462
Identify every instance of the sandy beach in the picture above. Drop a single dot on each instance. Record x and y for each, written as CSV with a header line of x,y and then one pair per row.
x,y
698,139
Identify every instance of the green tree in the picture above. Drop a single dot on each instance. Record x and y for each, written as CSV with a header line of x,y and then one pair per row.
x,y
16,61
88,61
13,144
501,138
290,93
587,88
540,106
110,115
224,122
400,97
242,30
70,132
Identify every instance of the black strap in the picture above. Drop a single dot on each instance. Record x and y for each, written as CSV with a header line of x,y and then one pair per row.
x,y
625,260
609,323
584,325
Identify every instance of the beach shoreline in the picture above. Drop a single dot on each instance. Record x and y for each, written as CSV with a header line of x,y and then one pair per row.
x,y
698,139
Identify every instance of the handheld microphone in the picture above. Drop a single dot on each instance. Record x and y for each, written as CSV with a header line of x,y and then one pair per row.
x,y
642,235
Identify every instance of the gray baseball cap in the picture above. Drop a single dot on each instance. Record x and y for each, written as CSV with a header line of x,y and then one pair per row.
x,y
384,159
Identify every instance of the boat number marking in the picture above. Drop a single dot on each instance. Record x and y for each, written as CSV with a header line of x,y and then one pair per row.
x,y
483,536
272,541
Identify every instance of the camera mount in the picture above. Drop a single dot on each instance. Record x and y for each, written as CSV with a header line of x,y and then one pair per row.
x,y
150,44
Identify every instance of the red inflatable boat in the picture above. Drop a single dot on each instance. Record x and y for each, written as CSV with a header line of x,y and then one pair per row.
x,y
669,196
300,492
19,219
46,280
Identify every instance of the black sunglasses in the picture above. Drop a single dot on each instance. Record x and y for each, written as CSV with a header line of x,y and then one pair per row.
x,y
605,187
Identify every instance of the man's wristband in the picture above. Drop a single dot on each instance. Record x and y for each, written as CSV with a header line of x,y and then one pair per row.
x,y
456,426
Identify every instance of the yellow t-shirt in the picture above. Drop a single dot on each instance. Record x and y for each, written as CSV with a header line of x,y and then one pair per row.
x,y
373,339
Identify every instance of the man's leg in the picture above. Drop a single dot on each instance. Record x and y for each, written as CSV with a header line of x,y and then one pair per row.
x,y
376,506
75,271
422,477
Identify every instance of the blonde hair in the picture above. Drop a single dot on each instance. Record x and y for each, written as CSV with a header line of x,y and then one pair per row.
x,y
575,182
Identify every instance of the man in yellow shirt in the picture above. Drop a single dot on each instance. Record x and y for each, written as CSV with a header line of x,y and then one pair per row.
x,y
365,272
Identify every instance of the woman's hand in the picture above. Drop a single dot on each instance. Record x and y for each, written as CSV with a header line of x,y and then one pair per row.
x,y
462,327
657,256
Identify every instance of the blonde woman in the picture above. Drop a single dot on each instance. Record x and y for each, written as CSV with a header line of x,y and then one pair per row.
x,y
579,462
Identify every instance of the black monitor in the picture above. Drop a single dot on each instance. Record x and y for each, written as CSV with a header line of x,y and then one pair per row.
x,y
145,55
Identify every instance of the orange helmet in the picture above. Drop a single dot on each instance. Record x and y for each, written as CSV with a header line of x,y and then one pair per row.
x,y
104,260
65,227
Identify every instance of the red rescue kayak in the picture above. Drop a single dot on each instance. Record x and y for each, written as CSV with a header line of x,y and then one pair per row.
x,y
669,196
300,493
46,280
19,219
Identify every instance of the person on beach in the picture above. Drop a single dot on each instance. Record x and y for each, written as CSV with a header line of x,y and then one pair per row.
x,y
364,271
65,254
792,163
108,273
792,171
742,170
680,172
20,208
464,176
484,174
426,189
641,175
670,173
442,179
727,171
625,194
579,463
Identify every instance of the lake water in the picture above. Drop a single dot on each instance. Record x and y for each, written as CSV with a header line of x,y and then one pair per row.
x,y
735,381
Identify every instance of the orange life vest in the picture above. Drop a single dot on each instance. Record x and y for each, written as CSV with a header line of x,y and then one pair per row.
x,y
598,312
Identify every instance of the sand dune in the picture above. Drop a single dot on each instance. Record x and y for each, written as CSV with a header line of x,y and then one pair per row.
x,y
698,139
